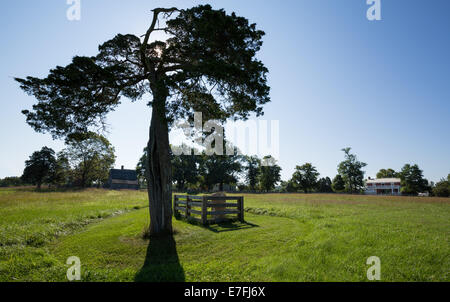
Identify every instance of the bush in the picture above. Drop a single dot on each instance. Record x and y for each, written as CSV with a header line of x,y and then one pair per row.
x,y
243,187
11,182
442,189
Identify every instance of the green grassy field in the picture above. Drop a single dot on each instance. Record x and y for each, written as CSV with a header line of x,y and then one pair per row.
x,y
293,237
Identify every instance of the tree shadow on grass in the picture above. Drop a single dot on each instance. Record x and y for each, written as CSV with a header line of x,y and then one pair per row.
x,y
161,262
230,226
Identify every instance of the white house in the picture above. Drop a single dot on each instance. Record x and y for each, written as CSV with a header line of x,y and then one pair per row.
x,y
383,186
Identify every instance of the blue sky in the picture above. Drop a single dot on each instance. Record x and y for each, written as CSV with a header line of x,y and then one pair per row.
x,y
337,80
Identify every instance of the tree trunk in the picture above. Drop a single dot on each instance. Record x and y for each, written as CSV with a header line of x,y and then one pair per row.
x,y
180,186
159,171
83,176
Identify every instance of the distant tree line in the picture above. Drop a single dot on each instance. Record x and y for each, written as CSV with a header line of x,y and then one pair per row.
x,y
199,172
350,177
87,159
85,162
13,181
192,173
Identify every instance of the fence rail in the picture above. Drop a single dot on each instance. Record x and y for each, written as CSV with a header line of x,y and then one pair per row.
x,y
209,209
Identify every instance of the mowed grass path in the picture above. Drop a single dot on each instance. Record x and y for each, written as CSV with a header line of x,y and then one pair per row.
x,y
30,220
288,237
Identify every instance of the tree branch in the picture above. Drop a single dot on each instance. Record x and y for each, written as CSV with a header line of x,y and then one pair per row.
x,y
174,68
149,65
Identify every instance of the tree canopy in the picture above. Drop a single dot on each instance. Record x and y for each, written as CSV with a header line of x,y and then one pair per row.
x,y
442,188
412,180
91,157
387,173
186,169
40,167
207,65
305,177
253,168
338,183
220,169
351,171
324,185
270,174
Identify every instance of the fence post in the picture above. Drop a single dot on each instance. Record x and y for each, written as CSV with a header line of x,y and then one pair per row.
x,y
188,207
175,202
241,209
204,210
174,205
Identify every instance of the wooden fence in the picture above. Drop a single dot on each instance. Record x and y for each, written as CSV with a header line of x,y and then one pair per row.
x,y
208,209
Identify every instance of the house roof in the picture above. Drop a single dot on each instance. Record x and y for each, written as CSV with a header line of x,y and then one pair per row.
x,y
383,180
123,174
